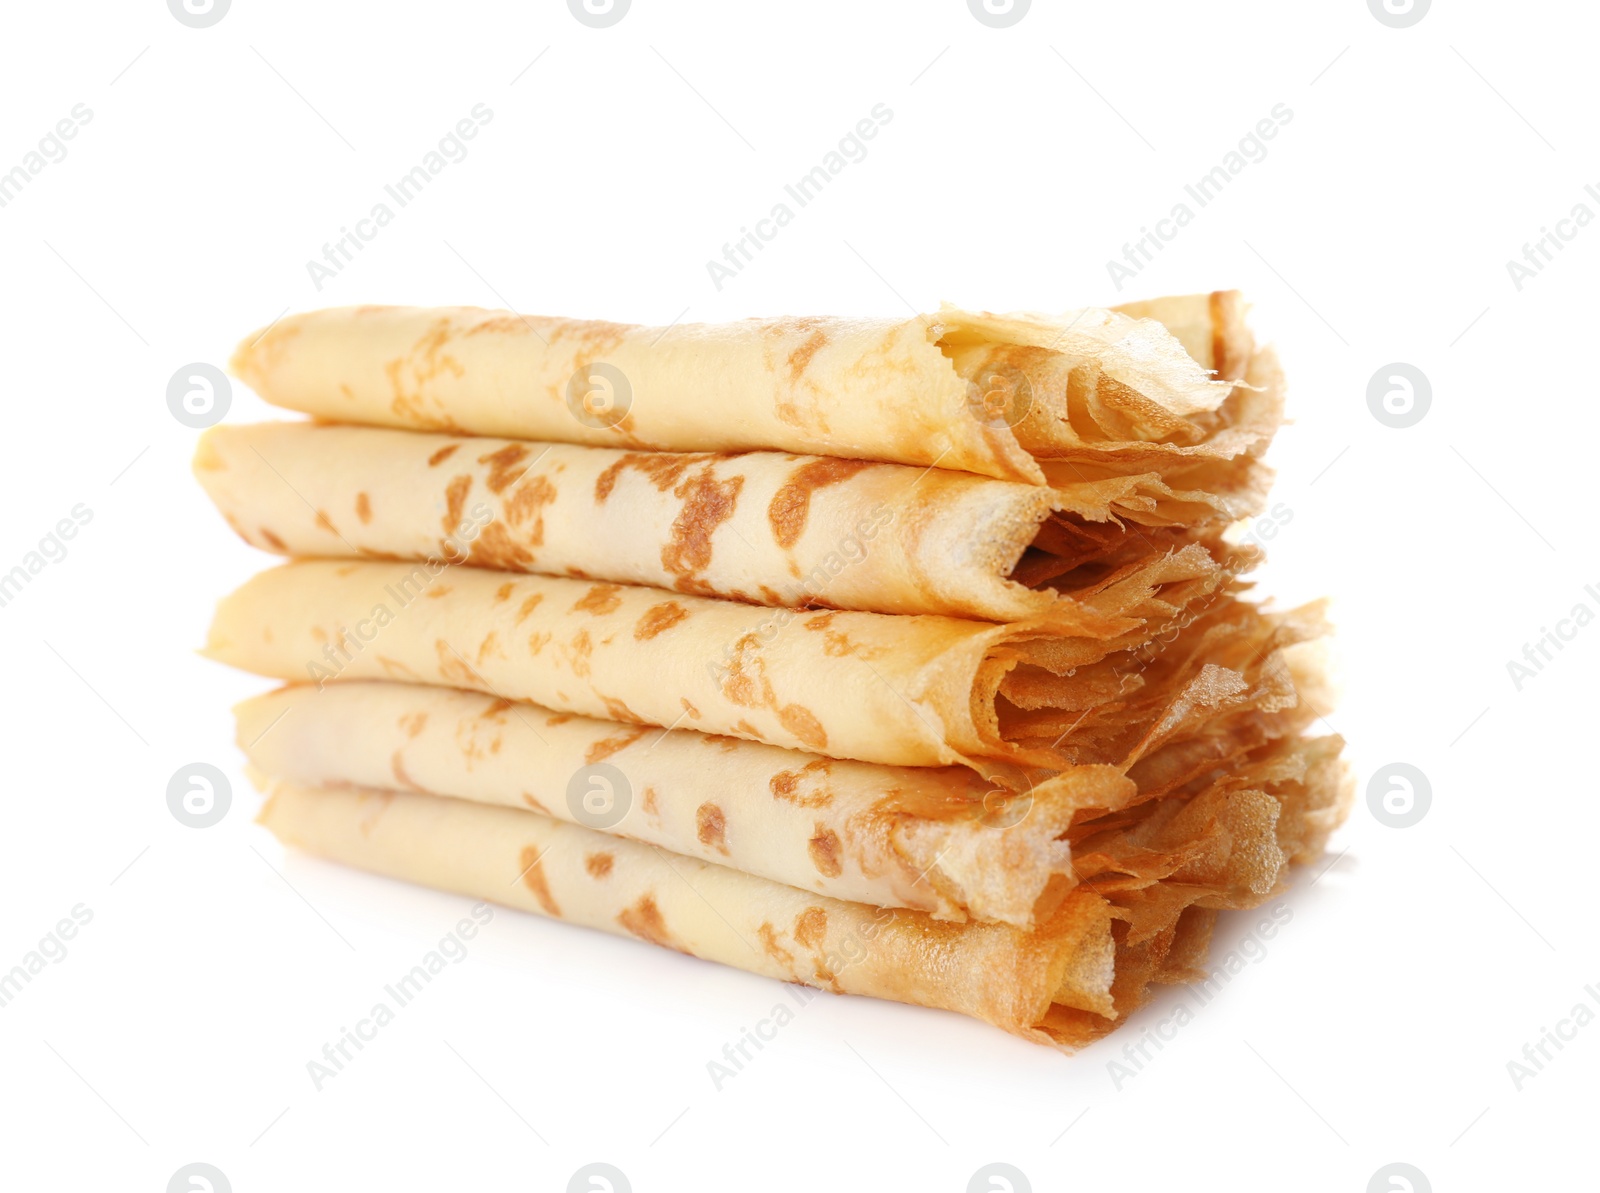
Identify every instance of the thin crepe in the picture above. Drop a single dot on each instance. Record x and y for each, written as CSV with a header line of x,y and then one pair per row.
x,y
938,839
906,691
996,395
763,527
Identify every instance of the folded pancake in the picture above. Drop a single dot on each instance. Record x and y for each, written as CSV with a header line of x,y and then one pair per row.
x,y
937,839
1024,397
1065,982
764,527
901,690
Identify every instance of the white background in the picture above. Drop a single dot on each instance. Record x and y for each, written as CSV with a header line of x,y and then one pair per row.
x,y
1379,1024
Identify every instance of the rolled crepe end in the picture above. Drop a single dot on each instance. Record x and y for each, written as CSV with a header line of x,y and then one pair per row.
x,y
249,356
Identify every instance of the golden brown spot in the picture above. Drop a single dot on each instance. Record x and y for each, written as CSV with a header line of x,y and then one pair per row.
x,y
811,928
643,919
618,711
593,338
647,802
824,847
528,501
503,465
739,683
538,641
608,746
500,325
535,804
325,522
661,469
398,767
698,587
707,504
772,947
837,645
426,362
791,504
273,540
414,723
598,865
395,669
801,356
582,650
491,642
452,667
800,721
746,728
455,496
528,606
437,591
786,785
503,593
689,708
443,454
658,618
533,879
495,548
370,815
834,643
561,718
494,710
600,600
711,826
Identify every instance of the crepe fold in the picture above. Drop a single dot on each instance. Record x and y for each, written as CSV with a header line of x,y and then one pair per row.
x,y
1024,397
938,839
1064,982
900,690
763,527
